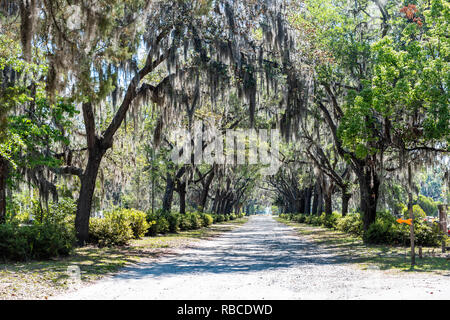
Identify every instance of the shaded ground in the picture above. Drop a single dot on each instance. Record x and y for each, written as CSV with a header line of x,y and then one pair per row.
x,y
392,258
43,279
262,259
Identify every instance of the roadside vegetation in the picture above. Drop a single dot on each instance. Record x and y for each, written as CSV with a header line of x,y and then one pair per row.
x,y
385,247
40,279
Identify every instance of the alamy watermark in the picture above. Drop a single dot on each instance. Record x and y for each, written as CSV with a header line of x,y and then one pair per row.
x,y
206,144
74,276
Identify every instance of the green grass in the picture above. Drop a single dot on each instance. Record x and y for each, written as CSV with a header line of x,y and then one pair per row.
x,y
349,249
41,279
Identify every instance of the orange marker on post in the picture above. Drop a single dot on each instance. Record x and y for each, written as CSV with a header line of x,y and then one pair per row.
x,y
408,221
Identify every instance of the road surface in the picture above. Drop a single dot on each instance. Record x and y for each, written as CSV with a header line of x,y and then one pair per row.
x,y
262,259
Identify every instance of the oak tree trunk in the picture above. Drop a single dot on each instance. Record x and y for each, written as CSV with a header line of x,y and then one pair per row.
x,y
3,178
315,203
411,216
369,191
308,194
301,208
182,196
84,204
205,191
320,203
345,200
328,203
168,194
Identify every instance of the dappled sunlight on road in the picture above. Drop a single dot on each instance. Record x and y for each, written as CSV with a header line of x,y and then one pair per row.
x,y
262,259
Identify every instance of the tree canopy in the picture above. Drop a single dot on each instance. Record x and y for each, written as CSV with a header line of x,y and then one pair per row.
x,y
91,92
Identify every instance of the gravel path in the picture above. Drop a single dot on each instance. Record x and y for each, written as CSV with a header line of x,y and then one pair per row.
x,y
262,259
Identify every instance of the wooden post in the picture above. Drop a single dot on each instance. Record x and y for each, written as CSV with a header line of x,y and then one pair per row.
x,y
443,222
411,216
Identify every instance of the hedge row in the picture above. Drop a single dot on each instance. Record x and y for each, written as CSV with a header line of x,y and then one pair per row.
x,y
118,227
172,222
52,233
385,230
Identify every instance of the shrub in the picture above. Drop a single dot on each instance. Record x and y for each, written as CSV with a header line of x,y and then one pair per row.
x,y
220,218
58,211
207,219
160,222
174,221
53,239
113,229
194,218
427,235
161,226
185,222
428,205
387,230
384,231
316,221
330,221
118,227
232,216
138,222
36,241
151,220
22,217
51,235
418,212
351,223
300,218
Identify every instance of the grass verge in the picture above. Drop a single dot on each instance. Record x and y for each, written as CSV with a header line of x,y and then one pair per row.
x,y
42,279
349,249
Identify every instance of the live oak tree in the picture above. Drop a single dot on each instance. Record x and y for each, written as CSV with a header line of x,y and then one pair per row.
x,y
93,51
33,133
358,89
375,94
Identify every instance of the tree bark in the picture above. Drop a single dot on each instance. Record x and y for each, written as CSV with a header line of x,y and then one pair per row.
x,y
308,194
301,206
411,216
168,194
320,202
369,192
328,203
315,203
345,199
182,196
84,204
3,178
205,191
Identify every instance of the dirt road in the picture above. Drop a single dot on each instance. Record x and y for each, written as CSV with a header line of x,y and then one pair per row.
x,y
262,259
